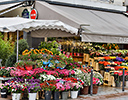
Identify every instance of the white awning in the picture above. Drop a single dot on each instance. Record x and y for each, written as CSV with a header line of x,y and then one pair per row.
x,y
104,27
6,6
22,24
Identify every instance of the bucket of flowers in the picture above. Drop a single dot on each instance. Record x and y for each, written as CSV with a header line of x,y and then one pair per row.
x,y
16,89
32,89
48,87
97,80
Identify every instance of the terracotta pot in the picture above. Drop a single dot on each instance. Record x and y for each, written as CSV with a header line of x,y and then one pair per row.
x,y
29,67
95,89
84,90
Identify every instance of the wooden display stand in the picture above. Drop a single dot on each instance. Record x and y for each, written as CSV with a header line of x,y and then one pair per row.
x,y
109,79
91,62
78,58
86,57
96,66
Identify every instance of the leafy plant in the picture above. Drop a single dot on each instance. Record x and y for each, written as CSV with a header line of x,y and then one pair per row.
x,y
6,49
23,45
21,63
29,63
4,72
11,60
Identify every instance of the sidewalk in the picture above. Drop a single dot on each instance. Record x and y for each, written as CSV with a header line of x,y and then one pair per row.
x,y
104,93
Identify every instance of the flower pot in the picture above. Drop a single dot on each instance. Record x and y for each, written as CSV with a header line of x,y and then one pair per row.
x,y
118,83
95,89
65,95
74,94
32,96
47,95
3,93
16,96
29,67
84,90
56,95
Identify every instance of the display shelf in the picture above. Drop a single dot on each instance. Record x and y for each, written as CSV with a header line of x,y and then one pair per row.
x,y
5,78
77,56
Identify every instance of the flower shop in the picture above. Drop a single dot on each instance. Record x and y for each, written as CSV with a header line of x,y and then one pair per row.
x,y
60,69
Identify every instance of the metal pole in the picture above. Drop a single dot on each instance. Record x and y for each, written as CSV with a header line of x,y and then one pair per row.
x,y
17,46
123,79
91,89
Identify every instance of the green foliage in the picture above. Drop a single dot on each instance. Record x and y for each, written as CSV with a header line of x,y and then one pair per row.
x,y
4,72
6,48
11,60
52,46
23,45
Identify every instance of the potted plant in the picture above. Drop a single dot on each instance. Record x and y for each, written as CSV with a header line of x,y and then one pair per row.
x,y
97,80
5,88
86,79
29,65
16,89
117,76
48,87
32,89
63,86
74,89
20,65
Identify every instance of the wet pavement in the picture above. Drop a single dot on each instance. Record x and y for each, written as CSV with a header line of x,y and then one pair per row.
x,y
105,93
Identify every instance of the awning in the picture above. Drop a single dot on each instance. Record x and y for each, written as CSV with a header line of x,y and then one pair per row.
x,y
104,27
22,24
6,6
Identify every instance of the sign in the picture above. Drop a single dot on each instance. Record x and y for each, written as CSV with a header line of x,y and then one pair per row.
x,y
123,40
33,14
25,13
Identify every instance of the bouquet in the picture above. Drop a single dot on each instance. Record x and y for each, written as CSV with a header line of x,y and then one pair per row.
x,y
33,87
44,77
48,85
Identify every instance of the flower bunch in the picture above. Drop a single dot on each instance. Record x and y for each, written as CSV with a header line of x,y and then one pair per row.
x,y
75,83
96,81
65,72
14,87
96,75
48,85
36,51
33,87
44,77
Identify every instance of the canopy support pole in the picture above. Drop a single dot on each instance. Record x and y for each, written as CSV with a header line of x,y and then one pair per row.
x,y
17,46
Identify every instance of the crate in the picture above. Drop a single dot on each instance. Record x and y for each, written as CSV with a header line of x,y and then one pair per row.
x,y
108,80
86,57
91,62
96,66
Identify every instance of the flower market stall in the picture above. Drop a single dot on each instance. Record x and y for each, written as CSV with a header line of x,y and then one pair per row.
x,y
41,71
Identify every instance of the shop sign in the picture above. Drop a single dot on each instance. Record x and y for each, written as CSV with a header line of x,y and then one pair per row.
x,y
33,14
25,13
123,40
